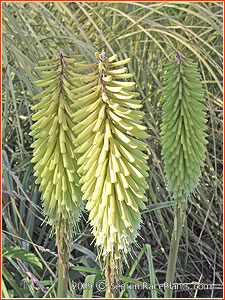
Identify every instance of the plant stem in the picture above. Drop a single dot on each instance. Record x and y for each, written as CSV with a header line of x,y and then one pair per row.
x,y
62,241
109,293
62,280
177,230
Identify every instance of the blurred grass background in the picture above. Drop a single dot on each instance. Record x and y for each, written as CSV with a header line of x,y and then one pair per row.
x,y
148,32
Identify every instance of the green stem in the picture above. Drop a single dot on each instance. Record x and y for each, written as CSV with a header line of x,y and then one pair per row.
x,y
62,280
177,230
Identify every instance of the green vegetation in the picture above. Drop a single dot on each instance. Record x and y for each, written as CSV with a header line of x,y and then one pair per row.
x,y
148,33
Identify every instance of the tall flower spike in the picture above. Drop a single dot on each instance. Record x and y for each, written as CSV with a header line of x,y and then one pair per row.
x,y
183,143
53,154
112,165
183,127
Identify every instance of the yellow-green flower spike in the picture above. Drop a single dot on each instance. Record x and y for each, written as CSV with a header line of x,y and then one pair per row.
x,y
183,126
113,165
53,154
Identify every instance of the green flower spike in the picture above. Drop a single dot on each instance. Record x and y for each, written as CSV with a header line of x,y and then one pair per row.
x,y
183,142
183,127
53,154
112,165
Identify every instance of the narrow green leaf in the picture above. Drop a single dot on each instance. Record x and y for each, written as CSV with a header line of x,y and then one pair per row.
x,y
24,255
135,264
158,206
151,270
84,250
4,290
88,270
11,281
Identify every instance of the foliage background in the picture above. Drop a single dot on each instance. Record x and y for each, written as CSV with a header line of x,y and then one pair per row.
x,y
148,32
